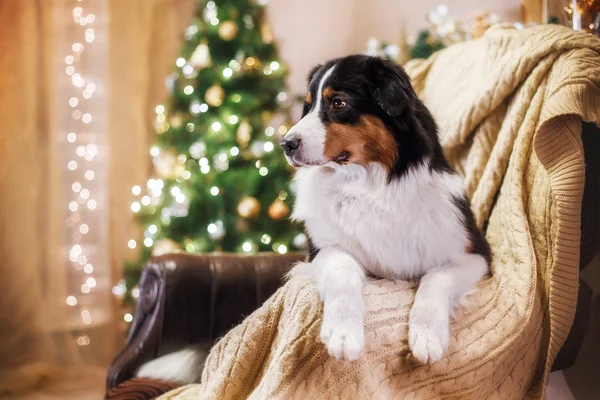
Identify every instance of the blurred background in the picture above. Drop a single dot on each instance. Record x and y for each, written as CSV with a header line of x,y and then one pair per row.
x,y
141,127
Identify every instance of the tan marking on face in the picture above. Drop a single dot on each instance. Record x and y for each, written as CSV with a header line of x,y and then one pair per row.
x,y
328,92
308,98
368,141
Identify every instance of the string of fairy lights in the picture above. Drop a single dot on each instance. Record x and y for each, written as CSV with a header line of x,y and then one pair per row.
x,y
80,117
172,165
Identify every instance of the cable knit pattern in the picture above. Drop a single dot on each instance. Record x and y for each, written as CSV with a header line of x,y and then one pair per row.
x,y
509,107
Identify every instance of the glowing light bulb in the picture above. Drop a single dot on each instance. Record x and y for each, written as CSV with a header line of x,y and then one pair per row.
x,y
227,72
72,165
91,204
128,317
84,229
188,89
73,101
160,109
88,268
282,249
203,107
214,190
135,206
233,119
71,301
180,62
153,229
89,174
268,147
274,65
247,247
148,242
234,151
154,151
131,244
71,137
216,126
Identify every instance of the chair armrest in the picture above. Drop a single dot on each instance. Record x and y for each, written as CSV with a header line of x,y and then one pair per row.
x,y
187,299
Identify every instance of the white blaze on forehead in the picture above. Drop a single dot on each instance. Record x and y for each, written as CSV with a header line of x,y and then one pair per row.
x,y
311,131
326,75
311,121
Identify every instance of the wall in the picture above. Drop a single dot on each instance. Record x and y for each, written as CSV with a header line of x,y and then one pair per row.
x,y
312,31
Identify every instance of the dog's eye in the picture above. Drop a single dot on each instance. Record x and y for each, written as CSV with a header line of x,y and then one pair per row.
x,y
339,103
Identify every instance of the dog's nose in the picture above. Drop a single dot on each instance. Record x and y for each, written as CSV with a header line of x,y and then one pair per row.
x,y
290,145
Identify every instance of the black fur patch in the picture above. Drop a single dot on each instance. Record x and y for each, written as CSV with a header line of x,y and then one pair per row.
x,y
312,249
479,244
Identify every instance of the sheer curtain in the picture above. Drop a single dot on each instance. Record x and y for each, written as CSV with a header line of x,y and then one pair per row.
x,y
62,223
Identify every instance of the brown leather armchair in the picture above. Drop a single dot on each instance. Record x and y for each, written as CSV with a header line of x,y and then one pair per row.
x,y
188,299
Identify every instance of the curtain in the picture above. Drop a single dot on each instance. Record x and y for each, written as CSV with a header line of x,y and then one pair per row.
x,y
40,340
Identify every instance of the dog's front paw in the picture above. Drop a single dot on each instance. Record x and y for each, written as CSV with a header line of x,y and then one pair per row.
x,y
344,341
428,331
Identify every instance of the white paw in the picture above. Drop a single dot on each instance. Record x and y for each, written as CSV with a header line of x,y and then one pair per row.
x,y
428,331
343,340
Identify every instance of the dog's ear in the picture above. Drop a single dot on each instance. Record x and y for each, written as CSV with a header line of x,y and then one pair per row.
x,y
313,72
390,86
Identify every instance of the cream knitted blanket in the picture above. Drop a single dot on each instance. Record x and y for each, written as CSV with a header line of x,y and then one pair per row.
x,y
509,108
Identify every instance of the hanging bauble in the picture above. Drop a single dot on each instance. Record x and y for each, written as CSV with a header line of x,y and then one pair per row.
x,y
228,30
244,133
201,56
267,115
278,210
165,246
214,95
266,33
300,241
248,207
165,164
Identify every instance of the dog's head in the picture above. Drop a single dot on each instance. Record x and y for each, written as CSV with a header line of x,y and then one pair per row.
x,y
362,110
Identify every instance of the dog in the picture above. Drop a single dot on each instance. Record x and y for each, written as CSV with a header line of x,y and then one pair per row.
x,y
377,197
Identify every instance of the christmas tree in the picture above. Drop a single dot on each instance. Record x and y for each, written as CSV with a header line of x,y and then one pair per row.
x,y
221,182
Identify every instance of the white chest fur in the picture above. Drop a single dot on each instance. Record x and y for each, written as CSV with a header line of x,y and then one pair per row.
x,y
397,230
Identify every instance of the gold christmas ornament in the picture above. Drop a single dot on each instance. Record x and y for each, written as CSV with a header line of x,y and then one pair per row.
x,y
266,33
165,246
244,133
201,56
278,210
248,207
214,95
228,30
